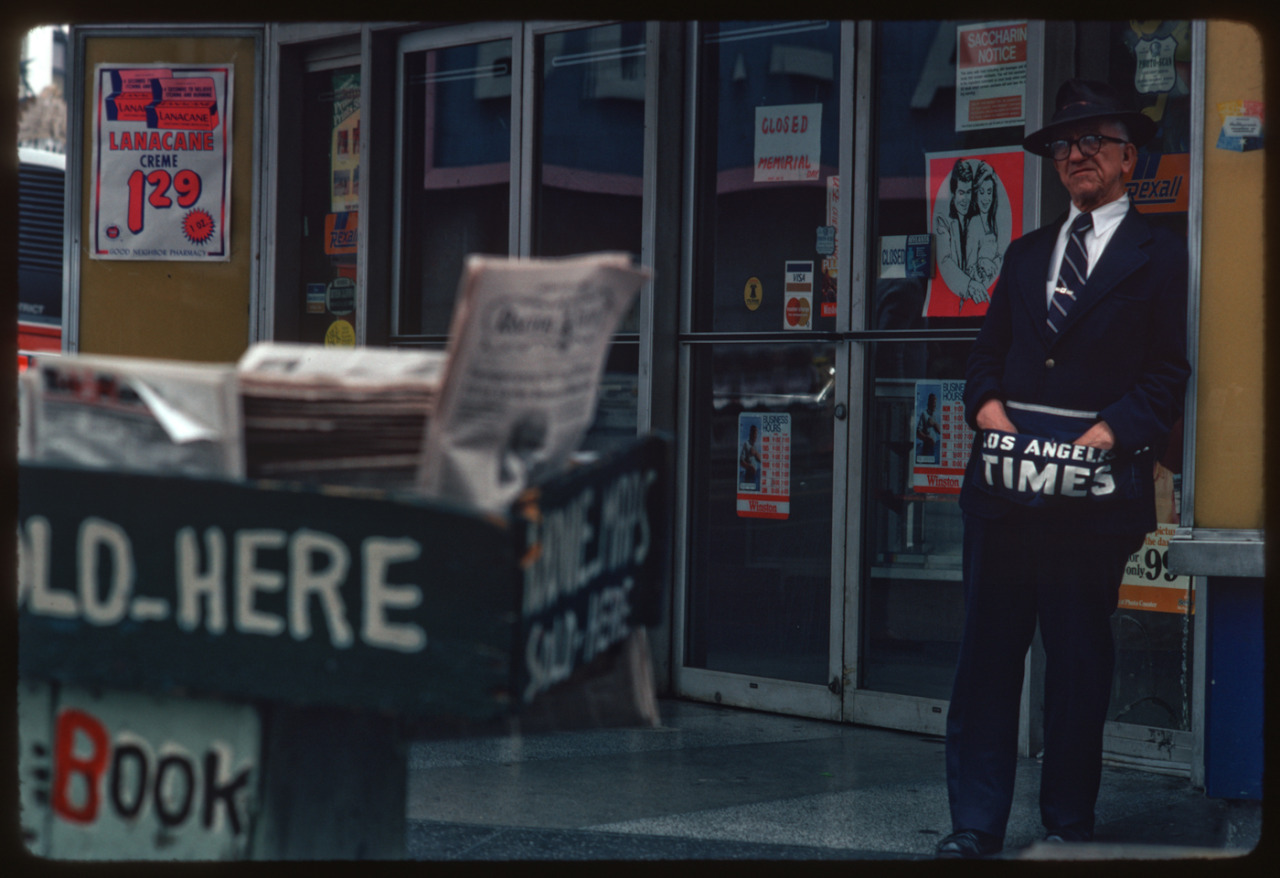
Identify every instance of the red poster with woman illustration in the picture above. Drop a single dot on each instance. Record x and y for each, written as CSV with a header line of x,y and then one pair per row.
x,y
975,210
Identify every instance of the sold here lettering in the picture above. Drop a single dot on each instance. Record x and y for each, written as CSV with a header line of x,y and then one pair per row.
x,y
228,580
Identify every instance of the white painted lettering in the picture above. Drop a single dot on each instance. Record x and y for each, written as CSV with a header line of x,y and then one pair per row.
x,y
549,653
608,612
251,579
988,461
1103,482
207,585
379,553
1073,480
95,534
325,582
1039,481
33,573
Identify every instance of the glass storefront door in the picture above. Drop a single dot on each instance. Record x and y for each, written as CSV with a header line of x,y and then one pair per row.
x,y
762,396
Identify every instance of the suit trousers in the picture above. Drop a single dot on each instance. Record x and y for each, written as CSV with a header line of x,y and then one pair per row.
x,y
1015,574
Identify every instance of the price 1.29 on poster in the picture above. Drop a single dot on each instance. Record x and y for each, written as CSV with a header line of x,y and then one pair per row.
x,y
162,162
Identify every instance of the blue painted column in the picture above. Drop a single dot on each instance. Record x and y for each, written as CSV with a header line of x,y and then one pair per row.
x,y
1234,694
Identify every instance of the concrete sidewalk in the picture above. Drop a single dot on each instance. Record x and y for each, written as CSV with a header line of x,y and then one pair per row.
x,y
720,783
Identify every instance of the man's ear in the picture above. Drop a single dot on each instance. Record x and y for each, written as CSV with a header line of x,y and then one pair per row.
x,y
1130,157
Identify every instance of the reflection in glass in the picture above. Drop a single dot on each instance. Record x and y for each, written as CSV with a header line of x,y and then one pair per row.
x,y
455,177
591,138
768,181
330,171
760,604
917,446
590,180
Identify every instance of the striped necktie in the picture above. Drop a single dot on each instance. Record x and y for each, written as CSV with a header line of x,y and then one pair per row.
x,y
1072,274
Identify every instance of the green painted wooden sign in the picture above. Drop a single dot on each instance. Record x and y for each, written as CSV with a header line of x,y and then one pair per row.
x,y
173,585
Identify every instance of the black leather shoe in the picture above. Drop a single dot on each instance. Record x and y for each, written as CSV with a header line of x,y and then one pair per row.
x,y
968,844
1060,836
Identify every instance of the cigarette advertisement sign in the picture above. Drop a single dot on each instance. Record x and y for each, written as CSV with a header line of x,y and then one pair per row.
x,y
764,465
788,143
975,209
991,75
941,437
162,162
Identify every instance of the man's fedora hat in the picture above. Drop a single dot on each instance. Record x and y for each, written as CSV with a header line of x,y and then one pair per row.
x,y
1083,99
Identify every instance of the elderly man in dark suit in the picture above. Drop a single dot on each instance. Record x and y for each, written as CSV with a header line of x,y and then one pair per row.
x,y
1073,385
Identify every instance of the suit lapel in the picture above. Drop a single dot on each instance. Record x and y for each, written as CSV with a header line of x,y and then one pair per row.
x,y
1123,256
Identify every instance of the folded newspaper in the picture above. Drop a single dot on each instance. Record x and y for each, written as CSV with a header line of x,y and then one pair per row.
x,y
337,416
526,352
132,414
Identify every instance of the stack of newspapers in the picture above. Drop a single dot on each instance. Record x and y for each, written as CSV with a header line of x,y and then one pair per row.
x,y
337,416
505,405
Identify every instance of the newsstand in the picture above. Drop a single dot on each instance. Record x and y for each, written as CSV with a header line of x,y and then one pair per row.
x,y
225,670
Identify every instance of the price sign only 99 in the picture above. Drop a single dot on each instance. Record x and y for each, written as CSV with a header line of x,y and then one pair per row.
x,y
162,162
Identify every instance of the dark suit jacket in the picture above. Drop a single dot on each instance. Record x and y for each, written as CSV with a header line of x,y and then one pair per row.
x,y
1121,352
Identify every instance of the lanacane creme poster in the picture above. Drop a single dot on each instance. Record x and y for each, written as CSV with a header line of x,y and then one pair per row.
x,y
161,169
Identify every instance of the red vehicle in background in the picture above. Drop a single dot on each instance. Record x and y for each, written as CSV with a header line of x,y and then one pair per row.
x,y
41,194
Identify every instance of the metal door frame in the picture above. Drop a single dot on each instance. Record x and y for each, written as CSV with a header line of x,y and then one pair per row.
x,y
761,693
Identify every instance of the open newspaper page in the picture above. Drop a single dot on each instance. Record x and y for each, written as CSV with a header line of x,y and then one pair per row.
x,y
337,416
135,414
526,351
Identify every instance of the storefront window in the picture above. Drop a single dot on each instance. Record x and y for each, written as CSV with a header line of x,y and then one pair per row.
x,y
768,177
590,180
948,177
762,488
330,158
917,448
947,199
455,175
591,141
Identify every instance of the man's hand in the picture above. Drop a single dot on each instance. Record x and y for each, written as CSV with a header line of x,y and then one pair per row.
x,y
1098,436
991,416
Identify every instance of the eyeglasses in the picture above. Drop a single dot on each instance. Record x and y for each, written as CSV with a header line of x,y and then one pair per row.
x,y
1089,145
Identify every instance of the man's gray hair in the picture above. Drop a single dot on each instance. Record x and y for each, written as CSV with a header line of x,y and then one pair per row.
x,y
1124,128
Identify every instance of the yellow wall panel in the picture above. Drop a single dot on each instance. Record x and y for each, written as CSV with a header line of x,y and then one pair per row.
x,y
174,310
1230,410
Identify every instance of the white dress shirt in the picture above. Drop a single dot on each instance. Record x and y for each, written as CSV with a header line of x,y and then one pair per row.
x,y
1105,221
